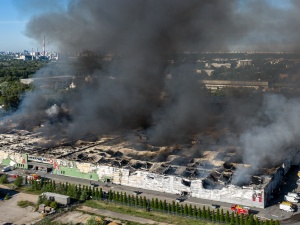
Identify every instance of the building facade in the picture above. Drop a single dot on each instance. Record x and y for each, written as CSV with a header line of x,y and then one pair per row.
x,y
252,196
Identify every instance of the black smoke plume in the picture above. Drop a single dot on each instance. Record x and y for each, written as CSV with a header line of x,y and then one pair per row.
x,y
139,87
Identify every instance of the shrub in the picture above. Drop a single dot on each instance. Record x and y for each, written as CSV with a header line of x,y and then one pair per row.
x,y
25,203
3,179
54,205
7,197
18,181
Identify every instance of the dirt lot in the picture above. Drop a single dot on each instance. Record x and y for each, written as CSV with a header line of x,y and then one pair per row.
x,y
10,212
74,217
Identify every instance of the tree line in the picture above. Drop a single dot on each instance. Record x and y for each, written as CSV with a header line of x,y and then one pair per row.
x,y
85,192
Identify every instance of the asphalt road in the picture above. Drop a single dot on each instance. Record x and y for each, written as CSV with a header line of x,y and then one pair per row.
x,y
271,212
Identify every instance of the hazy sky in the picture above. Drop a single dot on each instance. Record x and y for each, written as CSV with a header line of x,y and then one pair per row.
x,y
12,26
14,15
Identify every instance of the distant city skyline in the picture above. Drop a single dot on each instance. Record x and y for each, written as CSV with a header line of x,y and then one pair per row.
x,y
14,15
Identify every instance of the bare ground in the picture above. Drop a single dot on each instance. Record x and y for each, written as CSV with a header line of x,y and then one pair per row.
x,y
10,212
120,216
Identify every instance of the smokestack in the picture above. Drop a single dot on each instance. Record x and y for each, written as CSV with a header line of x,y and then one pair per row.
x,y
44,53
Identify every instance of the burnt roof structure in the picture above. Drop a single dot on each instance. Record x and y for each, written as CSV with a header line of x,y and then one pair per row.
x,y
215,170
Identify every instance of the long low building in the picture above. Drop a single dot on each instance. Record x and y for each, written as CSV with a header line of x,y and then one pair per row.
x,y
220,84
208,177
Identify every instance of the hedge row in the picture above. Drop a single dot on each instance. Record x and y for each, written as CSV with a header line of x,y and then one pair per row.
x,y
83,192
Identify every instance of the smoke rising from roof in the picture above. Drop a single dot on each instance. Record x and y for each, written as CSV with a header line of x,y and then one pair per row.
x,y
146,34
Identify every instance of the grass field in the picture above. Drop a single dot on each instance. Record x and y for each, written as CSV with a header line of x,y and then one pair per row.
x,y
156,216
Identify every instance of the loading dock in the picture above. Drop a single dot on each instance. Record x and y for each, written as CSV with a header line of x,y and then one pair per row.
x,y
40,166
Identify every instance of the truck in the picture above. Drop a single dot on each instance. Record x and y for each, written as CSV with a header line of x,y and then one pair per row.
x,y
61,199
290,199
294,194
287,206
32,177
240,209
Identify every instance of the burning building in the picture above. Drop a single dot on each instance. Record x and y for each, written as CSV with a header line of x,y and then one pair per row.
x,y
90,126
114,159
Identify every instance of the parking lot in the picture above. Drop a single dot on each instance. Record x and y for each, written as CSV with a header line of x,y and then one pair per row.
x,y
271,212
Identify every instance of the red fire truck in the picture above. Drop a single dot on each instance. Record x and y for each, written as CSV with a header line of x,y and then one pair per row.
x,y
240,209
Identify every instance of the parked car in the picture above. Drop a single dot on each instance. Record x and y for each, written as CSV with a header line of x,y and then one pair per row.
x,y
6,169
137,192
180,199
213,206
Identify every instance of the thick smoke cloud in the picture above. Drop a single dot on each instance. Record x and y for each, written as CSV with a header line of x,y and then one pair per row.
x,y
134,91
274,129
138,90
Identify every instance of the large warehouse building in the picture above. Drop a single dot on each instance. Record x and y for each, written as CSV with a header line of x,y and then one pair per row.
x,y
113,159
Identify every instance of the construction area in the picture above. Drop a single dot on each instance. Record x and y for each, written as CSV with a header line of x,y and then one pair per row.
x,y
202,169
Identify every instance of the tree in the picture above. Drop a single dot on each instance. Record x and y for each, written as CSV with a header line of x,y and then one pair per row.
x,y
190,210
54,205
222,219
60,188
18,181
232,218
164,206
71,191
3,179
237,219
173,207
213,216
41,199
257,221
11,94
152,203
218,215
207,216
227,218
250,220
199,213
84,195
195,212
156,203
242,219
185,210
203,213
177,208
125,198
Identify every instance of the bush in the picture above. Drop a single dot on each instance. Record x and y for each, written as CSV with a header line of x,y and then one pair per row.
x,y
18,181
7,197
54,205
3,179
25,203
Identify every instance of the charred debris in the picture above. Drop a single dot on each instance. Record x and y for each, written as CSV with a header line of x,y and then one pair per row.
x,y
216,168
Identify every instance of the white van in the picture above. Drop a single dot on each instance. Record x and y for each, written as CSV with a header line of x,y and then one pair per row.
x,y
6,169
293,194
287,206
290,199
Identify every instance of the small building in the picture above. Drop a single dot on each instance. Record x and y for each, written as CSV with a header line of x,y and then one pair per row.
x,y
245,62
61,199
